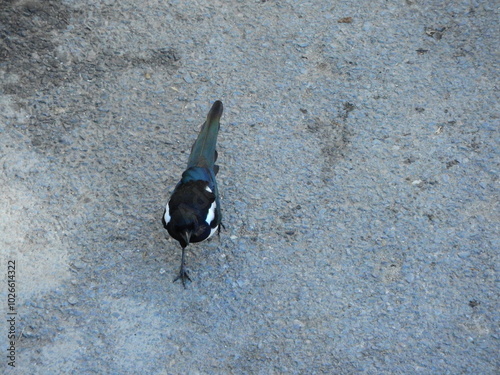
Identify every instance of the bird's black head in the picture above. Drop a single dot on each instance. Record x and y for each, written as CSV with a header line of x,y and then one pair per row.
x,y
183,224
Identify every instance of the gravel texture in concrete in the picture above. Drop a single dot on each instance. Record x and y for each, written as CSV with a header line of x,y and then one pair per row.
x,y
359,162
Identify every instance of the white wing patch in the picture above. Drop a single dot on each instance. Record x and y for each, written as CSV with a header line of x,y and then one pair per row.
x,y
211,213
167,214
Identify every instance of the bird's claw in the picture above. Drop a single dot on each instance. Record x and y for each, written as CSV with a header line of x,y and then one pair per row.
x,y
183,276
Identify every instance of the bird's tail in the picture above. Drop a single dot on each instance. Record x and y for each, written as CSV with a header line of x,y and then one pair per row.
x,y
203,153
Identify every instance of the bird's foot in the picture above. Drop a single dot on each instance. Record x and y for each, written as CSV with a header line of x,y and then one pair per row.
x,y
183,276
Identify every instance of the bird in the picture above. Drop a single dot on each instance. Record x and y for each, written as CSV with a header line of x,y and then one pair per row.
x,y
193,212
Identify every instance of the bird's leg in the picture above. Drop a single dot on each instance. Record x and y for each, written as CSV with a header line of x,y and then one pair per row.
x,y
183,275
219,229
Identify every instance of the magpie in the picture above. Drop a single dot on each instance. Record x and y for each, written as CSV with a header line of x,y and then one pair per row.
x,y
193,212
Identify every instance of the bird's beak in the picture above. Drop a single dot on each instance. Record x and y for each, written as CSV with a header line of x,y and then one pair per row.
x,y
186,236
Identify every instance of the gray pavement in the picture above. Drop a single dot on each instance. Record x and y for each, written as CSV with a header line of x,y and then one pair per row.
x,y
358,160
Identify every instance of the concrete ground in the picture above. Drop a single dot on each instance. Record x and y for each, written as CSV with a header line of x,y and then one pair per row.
x,y
358,155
